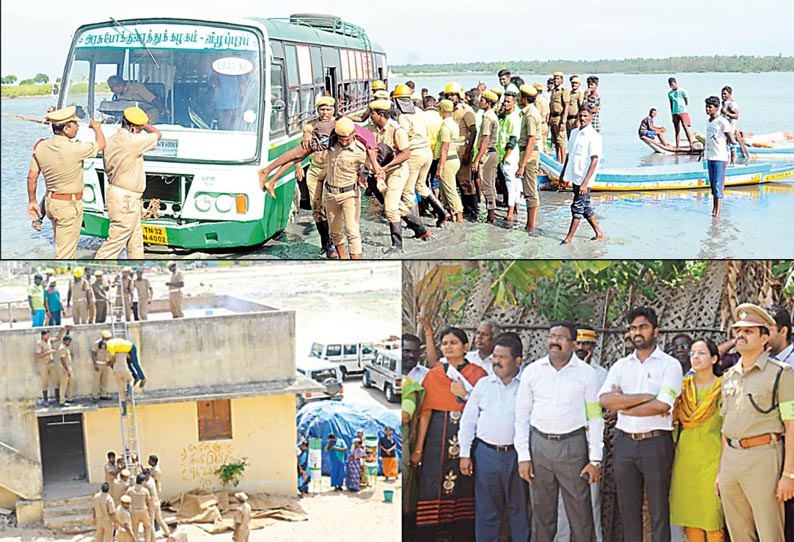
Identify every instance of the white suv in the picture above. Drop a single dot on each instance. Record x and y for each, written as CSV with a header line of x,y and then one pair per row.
x,y
350,357
385,373
324,372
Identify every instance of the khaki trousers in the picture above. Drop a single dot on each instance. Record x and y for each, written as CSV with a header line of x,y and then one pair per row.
x,y
101,378
558,136
48,374
156,514
394,206
748,480
570,124
314,182
101,311
175,303
544,137
488,166
143,310
104,530
418,168
124,209
80,312
142,517
343,212
122,379
67,219
449,188
67,387
530,180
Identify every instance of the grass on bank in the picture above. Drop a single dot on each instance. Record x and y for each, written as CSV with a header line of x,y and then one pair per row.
x,y
46,89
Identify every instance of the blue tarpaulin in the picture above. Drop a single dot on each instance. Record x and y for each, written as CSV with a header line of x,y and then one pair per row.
x,y
318,420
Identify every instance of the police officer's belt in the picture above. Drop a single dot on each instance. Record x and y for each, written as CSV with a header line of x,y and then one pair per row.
x,y
555,115
555,438
497,447
571,117
752,442
644,436
342,190
66,197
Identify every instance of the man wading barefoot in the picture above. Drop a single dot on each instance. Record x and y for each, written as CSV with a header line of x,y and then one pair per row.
x,y
584,151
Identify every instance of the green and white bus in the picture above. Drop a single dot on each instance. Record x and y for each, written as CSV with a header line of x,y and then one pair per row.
x,y
235,94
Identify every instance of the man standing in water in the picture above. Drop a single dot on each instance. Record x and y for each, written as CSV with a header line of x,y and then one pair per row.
x,y
718,134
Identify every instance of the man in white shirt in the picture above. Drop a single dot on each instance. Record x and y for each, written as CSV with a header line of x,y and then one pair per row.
x,y
585,148
484,342
643,387
486,446
558,402
718,134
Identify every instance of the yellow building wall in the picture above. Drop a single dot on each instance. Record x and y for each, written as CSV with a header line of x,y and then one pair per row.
x,y
7,499
263,431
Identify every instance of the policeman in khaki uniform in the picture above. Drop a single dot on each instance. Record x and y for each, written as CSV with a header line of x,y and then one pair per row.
x,y
575,103
103,511
487,158
60,160
99,289
100,358
124,533
448,161
140,506
342,191
315,175
242,519
65,366
757,407
79,293
145,294
175,284
120,486
558,114
467,126
528,145
47,371
542,103
124,166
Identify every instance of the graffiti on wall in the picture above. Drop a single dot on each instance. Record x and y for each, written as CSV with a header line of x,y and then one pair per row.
x,y
200,461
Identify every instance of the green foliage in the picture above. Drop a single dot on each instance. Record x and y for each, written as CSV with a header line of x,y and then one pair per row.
x,y
19,91
682,64
27,82
785,270
232,473
42,78
9,80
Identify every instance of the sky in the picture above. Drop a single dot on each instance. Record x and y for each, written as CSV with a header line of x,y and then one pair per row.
x,y
37,40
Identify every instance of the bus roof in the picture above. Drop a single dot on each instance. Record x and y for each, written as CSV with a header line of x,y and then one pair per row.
x,y
346,35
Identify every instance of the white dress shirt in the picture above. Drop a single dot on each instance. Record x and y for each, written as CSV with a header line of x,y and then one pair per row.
x,y
489,414
474,357
786,355
659,375
559,402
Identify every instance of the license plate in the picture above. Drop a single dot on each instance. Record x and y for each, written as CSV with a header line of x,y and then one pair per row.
x,y
154,235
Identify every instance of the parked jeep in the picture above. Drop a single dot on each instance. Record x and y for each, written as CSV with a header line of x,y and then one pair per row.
x,y
350,357
326,373
385,373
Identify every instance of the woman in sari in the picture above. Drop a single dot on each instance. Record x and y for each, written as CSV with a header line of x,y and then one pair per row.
x,y
353,466
693,502
446,499
388,454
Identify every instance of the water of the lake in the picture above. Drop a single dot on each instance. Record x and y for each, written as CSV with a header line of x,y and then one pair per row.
x,y
756,222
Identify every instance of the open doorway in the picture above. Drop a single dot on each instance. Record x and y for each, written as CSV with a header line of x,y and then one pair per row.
x,y
63,458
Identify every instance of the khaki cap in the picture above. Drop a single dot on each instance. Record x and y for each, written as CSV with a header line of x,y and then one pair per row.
x,y
559,74
98,273
126,499
170,263
528,90
240,496
136,116
380,105
127,270
107,334
497,91
62,116
585,336
446,105
538,86
344,126
750,315
575,79
125,473
381,94
325,100
490,96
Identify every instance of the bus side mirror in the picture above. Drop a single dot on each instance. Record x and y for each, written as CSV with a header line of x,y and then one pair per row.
x,y
279,106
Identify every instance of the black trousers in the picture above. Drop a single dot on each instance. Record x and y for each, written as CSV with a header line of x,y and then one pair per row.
x,y
645,464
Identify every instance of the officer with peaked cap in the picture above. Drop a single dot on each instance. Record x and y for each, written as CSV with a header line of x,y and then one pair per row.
x,y
574,104
754,480
60,160
467,127
175,284
558,106
124,532
529,145
124,166
100,290
242,518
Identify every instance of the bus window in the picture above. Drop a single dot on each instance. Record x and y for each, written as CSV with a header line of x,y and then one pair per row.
x,y
317,66
278,123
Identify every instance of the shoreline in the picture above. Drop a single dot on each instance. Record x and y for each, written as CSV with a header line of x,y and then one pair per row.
x,y
530,74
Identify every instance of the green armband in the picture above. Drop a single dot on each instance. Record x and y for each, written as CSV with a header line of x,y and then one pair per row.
x,y
787,411
593,410
669,391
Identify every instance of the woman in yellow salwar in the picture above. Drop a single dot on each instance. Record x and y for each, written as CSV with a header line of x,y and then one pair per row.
x,y
693,502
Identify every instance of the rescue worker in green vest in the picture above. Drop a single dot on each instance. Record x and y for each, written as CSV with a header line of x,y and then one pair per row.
x,y
412,119
509,132
574,104
542,103
558,113
60,160
467,127
342,190
528,147
756,474
395,174
487,159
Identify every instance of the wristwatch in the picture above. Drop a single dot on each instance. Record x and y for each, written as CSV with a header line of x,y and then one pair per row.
x,y
596,464
789,475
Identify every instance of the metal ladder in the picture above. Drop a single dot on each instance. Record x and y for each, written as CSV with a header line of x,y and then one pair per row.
x,y
129,423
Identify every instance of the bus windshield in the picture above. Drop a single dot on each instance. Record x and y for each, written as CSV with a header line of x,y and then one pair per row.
x,y
201,84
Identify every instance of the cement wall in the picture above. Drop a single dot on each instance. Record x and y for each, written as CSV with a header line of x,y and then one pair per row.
x,y
263,431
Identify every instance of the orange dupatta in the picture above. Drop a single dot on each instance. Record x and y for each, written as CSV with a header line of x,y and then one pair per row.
x,y
437,383
687,412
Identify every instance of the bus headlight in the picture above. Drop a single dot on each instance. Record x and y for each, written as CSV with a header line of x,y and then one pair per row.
x,y
224,203
89,196
203,202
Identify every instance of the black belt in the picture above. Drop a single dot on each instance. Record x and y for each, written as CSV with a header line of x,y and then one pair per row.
x,y
497,447
555,115
557,438
491,149
571,117
454,157
644,436
342,190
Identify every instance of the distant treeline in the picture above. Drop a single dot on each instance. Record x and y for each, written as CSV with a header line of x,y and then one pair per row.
x,y
679,64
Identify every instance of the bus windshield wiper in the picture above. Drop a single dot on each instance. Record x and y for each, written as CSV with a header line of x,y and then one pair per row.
x,y
140,40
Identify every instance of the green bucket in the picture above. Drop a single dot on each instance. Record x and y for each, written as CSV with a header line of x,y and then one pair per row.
x,y
388,495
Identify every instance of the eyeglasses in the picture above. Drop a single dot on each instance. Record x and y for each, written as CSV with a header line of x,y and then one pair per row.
x,y
682,346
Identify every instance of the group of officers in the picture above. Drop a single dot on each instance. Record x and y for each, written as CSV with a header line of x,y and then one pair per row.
x,y
533,415
444,155
60,160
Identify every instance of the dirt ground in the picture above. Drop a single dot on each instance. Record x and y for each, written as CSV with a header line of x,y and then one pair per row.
x,y
333,516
